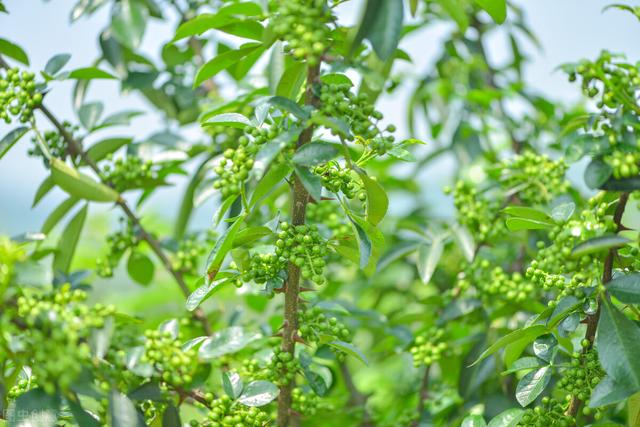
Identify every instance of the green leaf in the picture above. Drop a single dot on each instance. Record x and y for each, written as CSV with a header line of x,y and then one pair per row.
x,y
377,200
222,247
44,188
623,184
525,335
607,392
597,173
232,384
497,9
473,421
69,241
509,418
618,343
223,61
122,118
129,22
598,244
89,73
90,113
269,182
456,9
527,213
291,80
102,149
233,120
382,26
518,224
123,411
251,234
35,408
626,288
11,138
522,364
285,104
532,384
14,51
171,417
428,257
633,410
202,293
259,393
188,203
563,212
349,349
365,247
58,213
80,185
221,20
245,29
140,268
464,239
401,154
315,153
227,341
56,63
310,181
82,417
335,79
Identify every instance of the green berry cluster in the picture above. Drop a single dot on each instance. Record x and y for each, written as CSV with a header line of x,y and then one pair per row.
x,y
126,173
60,324
233,169
537,178
22,386
336,178
118,243
556,269
623,164
303,246
187,257
54,141
225,413
313,324
495,283
327,213
474,211
302,24
305,404
264,267
174,365
358,112
582,376
282,368
428,348
18,96
549,414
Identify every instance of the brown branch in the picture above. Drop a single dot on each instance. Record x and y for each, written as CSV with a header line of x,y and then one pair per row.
x,y
423,395
300,199
592,320
356,398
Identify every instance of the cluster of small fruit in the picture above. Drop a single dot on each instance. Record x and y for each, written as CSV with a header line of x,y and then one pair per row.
x,y
281,369
623,164
59,327
428,348
495,283
236,163
224,412
18,95
302,24
337,100
264,267
186,258
336,178
555,268
164,352
475,212
118,243
305,404
54,141
22,386
537,178
130,172
326,212
549,413
582,377
303,246
313,324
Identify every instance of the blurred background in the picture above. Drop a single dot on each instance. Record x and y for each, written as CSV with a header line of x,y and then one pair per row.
x,y
567,29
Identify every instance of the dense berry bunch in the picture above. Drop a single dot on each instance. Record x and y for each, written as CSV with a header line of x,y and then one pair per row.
x,y
187,257
537,178
18,96
303,246
23,385
555,267
128,173
54,141
313,324
282,368
306,404
60,324
623,164
118,243
302,24
475,212
495,283
336,178
225,413
264,267
582,376
428,348
174,365
549,414
233,169
356,110
327,213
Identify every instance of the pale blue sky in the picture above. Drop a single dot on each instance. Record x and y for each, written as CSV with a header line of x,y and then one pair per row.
x,y
568,29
